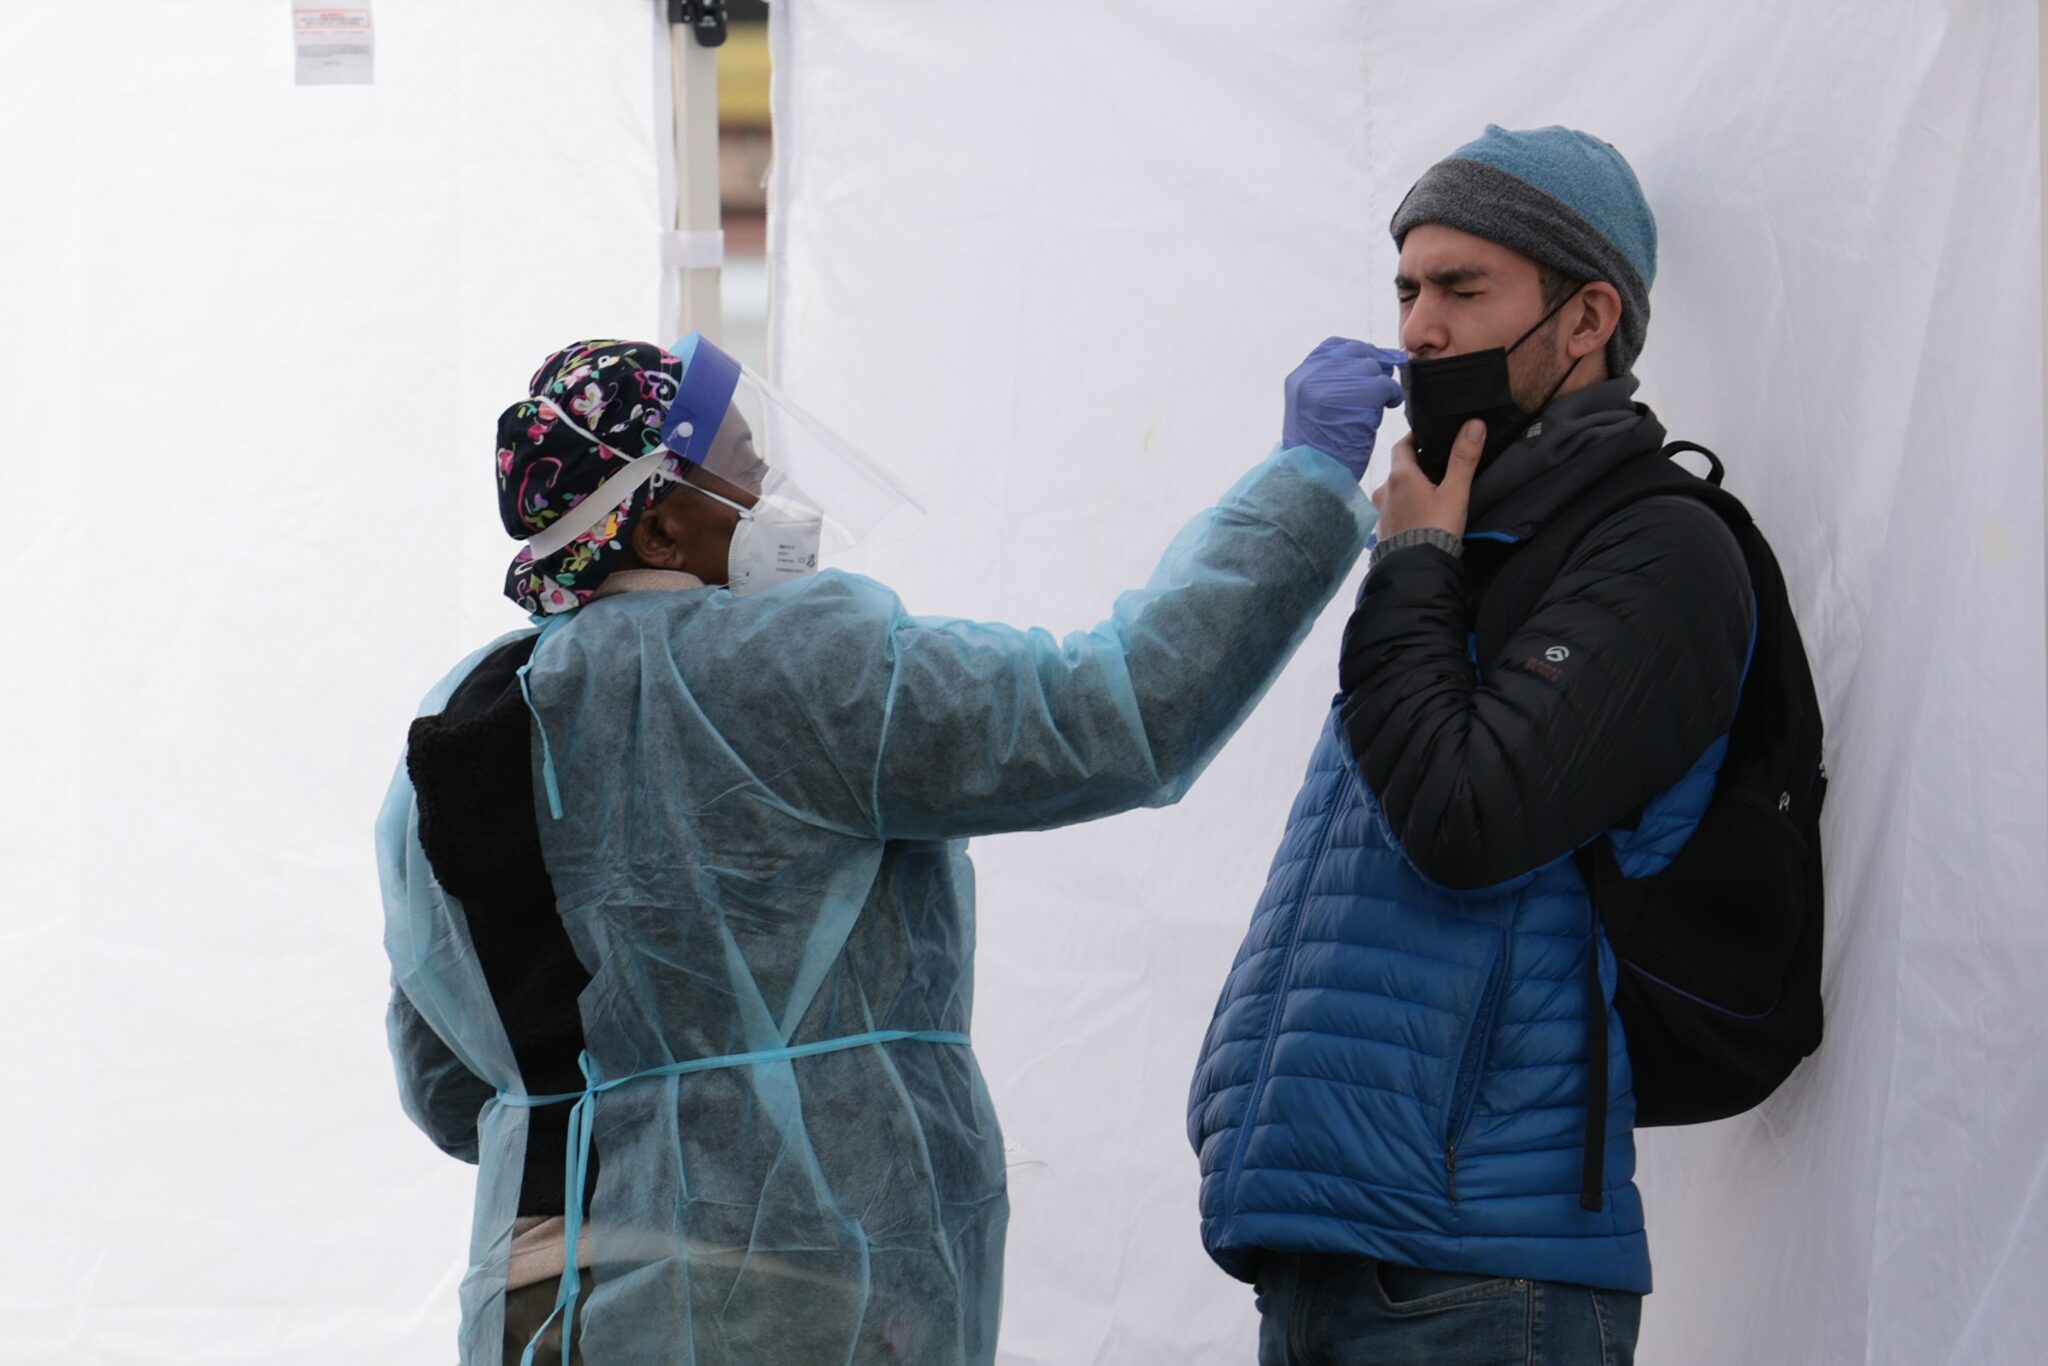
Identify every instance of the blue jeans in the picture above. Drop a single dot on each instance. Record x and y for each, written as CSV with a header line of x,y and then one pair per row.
x,y
1352,1311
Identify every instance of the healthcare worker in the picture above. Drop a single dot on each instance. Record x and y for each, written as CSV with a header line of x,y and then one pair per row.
x,y
677,900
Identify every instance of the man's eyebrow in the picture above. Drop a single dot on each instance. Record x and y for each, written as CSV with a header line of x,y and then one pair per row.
x,y
1450,277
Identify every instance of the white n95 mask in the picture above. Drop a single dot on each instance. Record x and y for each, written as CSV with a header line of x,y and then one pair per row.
x,y
777,540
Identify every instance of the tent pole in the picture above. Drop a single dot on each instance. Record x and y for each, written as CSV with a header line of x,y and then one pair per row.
x,y
696,254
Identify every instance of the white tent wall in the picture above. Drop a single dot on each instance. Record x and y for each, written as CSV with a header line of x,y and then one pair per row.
x,y
1052,263
257,338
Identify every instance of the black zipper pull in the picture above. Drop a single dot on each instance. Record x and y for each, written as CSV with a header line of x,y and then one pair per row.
x,y
1451,1171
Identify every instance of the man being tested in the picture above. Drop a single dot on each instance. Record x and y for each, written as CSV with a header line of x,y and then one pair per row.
x,y
1396,1109
706,829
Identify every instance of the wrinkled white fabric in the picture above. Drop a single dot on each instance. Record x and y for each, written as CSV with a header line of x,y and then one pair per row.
x,y
1144,221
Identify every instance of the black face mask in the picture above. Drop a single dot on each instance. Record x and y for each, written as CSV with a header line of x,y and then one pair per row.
x,y
1442,395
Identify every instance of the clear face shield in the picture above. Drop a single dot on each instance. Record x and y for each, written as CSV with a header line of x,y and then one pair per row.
x,y
801,491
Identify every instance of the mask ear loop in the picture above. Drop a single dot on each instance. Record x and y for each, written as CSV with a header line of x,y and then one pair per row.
x,y
746,513
1557,386
1555,309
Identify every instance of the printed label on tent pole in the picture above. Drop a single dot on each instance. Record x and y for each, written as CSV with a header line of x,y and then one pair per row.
x,y
333,42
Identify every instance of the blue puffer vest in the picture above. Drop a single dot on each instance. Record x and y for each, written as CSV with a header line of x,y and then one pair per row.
x,y
1398,1071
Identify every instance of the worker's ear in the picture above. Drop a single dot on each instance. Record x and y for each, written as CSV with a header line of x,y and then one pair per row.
x,y
659,538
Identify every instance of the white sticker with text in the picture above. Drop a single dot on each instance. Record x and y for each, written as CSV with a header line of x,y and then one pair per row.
x,y
334,42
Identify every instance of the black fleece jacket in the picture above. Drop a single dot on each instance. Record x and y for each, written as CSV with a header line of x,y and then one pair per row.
x,y
471,772
1628,669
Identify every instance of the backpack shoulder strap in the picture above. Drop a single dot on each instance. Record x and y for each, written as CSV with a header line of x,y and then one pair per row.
x,y
1511,597
1507,602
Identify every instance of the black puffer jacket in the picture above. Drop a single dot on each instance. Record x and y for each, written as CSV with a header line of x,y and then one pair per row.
x,y
1628,669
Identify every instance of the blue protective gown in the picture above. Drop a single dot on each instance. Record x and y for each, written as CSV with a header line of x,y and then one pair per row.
x,y
761,847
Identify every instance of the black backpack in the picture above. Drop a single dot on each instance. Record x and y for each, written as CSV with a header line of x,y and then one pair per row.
x,y
1719,954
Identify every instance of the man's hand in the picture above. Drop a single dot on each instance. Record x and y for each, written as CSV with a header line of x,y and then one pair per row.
x,y
1408,500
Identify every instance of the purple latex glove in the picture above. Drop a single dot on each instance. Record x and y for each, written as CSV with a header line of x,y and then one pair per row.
x,y
1336,398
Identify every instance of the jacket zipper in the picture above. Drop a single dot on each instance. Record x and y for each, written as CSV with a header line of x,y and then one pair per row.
x,y
1465,1086
1244,1128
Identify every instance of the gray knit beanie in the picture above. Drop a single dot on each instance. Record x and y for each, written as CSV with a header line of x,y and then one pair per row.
x,y
1563,199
